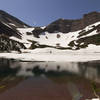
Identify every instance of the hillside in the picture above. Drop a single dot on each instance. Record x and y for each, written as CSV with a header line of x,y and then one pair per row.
x,y
62,40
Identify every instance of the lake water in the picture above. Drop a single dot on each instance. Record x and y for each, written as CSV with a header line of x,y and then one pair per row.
x,y
49,80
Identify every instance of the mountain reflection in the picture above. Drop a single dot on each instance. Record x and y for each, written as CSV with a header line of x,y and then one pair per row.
x,y
89,70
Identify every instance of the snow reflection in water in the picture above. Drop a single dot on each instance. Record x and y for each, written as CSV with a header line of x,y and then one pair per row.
x,y
59,72
89,70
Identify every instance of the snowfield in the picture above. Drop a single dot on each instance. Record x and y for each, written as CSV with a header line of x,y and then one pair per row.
x,y
92,52
52,54
52,39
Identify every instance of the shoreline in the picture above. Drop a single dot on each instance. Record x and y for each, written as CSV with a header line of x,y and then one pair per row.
x,y
45,57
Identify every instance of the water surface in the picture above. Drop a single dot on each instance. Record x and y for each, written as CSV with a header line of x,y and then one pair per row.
x,y
49,80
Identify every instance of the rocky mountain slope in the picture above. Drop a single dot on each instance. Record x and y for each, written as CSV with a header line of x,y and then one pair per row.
x,y
61,34
70,25
8,45
65,25
71,40
8,25
11,21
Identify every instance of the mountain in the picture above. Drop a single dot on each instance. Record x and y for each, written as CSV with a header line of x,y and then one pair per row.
x,y
65,25
8,25
61,34
9,45
71,40
11,21
65,34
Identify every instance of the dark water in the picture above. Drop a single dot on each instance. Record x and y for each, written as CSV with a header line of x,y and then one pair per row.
x,y
49,80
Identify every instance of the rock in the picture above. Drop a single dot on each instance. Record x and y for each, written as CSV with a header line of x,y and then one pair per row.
x,y
65,25
11,20
37,31
8,45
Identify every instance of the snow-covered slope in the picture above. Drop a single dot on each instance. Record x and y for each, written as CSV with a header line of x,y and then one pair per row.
x,y
58,39
62,33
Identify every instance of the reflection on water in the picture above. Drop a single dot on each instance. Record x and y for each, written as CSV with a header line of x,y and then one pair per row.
x,y
74,91
89,70
70,73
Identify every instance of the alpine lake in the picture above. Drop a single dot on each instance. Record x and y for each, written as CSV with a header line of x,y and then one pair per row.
x,y
21,80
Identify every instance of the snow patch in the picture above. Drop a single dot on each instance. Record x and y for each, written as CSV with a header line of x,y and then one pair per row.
x,y
43,27
51,54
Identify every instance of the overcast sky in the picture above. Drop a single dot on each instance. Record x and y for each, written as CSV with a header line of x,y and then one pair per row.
x,y
43,12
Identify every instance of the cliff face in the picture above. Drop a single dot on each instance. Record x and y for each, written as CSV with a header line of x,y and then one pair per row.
x,y
9,24
11,21
7,45
87,19
8,31
65,26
